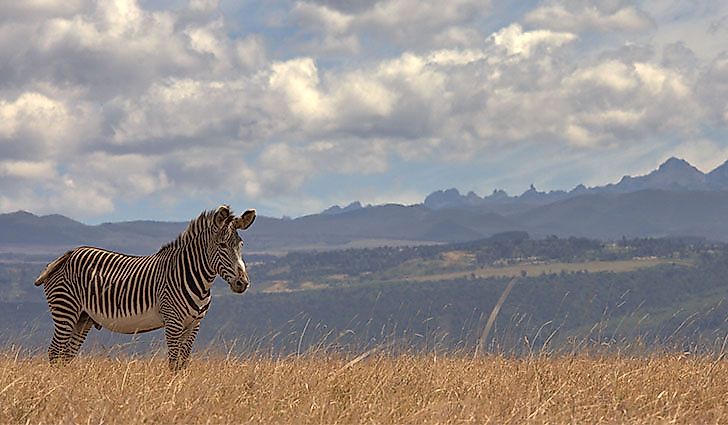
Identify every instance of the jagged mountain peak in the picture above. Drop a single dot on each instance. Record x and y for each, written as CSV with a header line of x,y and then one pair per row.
x,y
675,174
21,213
498,194
333,210
446,199
678,166
675,162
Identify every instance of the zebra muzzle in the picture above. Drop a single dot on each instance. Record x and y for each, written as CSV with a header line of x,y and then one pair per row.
x,y
240,285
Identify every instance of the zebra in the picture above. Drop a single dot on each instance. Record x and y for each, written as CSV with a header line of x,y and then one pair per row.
x,y
92,287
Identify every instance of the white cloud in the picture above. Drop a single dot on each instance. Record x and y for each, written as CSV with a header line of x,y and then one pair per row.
x,y
28,10
315,15
176,110
35,125
611,75
298,81
285,168
518,42
21,115
339,26
106,100
620,101
250,52
410,20
130,175
590,15
38,170
359,97
59,195
204,5
455,57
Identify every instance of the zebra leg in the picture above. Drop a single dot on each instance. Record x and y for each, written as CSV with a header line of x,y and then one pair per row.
x,y
65,323
84,324
174,333
185,346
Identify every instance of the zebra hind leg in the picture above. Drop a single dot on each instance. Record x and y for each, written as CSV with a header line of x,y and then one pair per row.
x,y
64,328
80,331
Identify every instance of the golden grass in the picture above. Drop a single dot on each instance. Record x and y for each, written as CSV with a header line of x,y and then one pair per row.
x,y
379,389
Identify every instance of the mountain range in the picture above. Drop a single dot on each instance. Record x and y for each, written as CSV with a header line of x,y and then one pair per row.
x,y
675,175
676,199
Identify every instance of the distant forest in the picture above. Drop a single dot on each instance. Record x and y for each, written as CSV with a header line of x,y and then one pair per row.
x,y
369,265
359,298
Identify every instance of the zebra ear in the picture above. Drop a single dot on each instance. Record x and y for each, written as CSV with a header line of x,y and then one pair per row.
x,y
245,220
222,215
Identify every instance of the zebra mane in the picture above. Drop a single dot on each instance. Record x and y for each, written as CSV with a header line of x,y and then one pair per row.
x,y
197,226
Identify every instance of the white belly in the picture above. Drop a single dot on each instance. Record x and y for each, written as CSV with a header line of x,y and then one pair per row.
x,y
147,321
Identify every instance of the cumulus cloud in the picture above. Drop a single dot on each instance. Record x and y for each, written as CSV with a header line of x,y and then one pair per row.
x,y
285,168
180,112
518,42
329,29
630,101
30,10
321,16
339,26
590,15
27,169
107,100
34,125
408,20
298,81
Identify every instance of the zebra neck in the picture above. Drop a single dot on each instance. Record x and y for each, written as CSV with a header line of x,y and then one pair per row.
x,y
196,273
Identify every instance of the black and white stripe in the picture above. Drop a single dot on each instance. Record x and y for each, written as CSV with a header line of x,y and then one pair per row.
x,y
90,286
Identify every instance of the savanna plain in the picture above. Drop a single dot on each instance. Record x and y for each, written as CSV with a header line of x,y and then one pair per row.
x,y
372,387
591,333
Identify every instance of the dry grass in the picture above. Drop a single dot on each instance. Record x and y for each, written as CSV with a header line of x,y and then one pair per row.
x,y
616,266
379,389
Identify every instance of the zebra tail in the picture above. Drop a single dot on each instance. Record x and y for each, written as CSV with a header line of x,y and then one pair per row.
x,y
52,268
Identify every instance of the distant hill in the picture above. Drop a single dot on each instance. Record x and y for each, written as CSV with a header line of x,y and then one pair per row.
x,y
27,232
654,213
677,199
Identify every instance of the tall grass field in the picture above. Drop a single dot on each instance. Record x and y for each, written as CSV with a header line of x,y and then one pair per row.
x,y
369,388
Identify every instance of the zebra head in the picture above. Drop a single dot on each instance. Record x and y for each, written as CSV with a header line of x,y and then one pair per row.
x,y
227,259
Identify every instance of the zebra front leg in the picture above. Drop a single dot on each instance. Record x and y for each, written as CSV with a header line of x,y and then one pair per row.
x,y
174,333
185,347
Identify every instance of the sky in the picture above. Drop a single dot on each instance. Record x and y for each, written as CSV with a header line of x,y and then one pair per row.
x,y
124,110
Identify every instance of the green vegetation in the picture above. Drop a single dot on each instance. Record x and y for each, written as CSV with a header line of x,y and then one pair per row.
x,y
570,293
508,254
